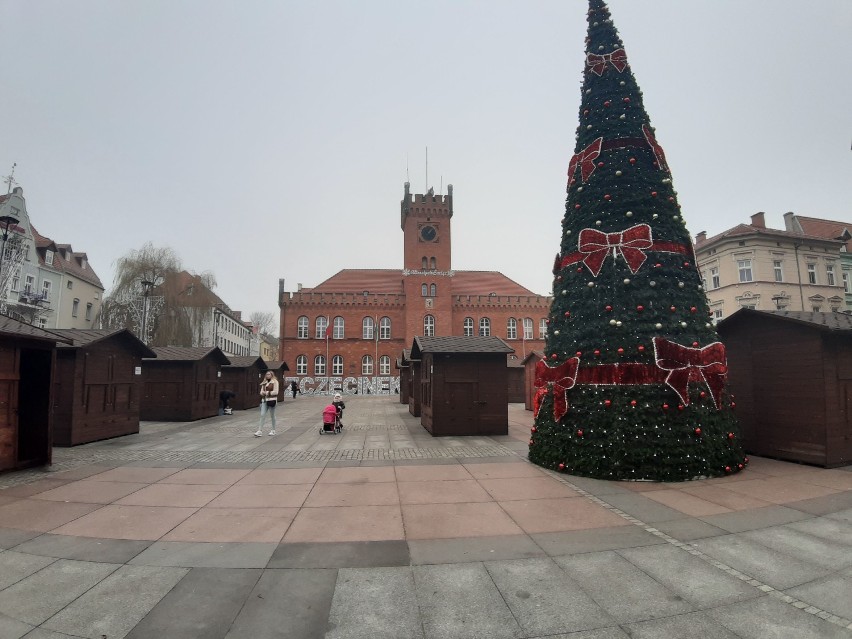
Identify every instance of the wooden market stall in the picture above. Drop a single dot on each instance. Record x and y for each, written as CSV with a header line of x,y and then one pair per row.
x,y
403,365
415,393
182,383
529,363
463,384
27,375
98,385
791,376
242,377
515,378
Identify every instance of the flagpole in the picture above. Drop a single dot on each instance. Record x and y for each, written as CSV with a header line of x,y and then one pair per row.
x,y
327,362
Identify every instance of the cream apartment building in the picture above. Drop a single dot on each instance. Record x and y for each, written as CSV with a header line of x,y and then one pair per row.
x,y
752,266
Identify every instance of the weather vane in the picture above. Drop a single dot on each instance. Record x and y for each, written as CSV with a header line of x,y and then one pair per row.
x,y
10,179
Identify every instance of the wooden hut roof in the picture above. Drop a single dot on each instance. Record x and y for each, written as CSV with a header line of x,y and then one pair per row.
x,y
533,354
244,361
188,354
13,328
453,344
277,365
834,322
85,336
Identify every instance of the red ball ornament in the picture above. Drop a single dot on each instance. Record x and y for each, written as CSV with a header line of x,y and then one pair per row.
x,y
579,269
673,309
579,353
686,265
576,206
561,468
607,403
633,403
620,351
601,165
533,429
657,265
547,321
731,435
579,432
607,196
680,406
531,442
733,404
695,344
585,112
653,194
632,160
606,103
702,394
597,353
665,406
745,460
627,100
740,466
567,313
693,309
727,469
640,308
671,199
608,308
641,348
698,432
553,356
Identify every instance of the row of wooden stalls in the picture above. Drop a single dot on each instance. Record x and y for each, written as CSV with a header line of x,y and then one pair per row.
x,y
65,387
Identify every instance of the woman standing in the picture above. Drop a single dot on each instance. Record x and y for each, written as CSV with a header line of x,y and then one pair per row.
x,y
268,400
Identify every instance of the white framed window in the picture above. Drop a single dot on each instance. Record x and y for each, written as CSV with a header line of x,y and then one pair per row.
x,y
29,281
433,290
816,309
528,328
846,281
424,263
338,327
424,290
69,285
812,275
778,268
484,327
16,279
337,365
384,365
366,365
45,289
385,328
368,328
829,274
75,307
319,365
467,328
321,324
744,268
429,326
512,328
542,328
48,257
715,281
302,365
42,322
432,263
717,315
302,328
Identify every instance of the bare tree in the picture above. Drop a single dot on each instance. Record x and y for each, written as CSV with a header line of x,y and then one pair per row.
x,y
265,322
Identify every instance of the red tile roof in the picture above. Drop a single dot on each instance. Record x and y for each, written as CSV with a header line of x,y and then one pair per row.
x,y
825,228
390,282
65,259
748,229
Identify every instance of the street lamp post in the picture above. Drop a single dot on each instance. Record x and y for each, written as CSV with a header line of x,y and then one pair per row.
x,y
6,221
147,285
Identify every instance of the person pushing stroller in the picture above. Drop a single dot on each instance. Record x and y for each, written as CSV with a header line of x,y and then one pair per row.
x,y
339,406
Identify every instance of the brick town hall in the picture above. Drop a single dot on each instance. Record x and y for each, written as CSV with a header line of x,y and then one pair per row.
x,y
347,332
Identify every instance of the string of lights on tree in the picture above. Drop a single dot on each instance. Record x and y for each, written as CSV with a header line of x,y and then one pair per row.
x,y
633,383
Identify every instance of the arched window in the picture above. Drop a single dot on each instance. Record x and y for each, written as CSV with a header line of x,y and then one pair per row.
x,y
384,365
468,327
512,328
433,290
429,326
542,328
484,327
425,264
337,365
368,327
433,264
322,324
528,328
302,365
385,328
319,365
338,328
302,328
366,365
424,290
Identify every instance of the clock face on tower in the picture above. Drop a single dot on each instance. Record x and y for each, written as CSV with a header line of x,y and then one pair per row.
x,y
428,233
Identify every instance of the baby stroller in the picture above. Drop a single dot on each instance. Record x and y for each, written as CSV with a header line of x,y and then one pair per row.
x,y
330,420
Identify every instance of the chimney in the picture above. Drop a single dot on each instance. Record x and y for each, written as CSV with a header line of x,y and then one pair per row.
x,y
790,222
758,220
701,237
299,286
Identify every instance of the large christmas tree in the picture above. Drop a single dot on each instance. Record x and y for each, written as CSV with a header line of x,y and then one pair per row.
x,y
632,385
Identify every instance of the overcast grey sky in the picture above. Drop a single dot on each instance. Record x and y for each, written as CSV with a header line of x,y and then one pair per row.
x,y
264,140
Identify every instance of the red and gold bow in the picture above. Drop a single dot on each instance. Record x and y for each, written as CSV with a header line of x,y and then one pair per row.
x,y
659,155
631,243
685,364
561,379
597,63
586,159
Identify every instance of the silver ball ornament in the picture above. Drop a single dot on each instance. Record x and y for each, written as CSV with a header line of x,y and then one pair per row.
x,y
612,322
658,326
591,285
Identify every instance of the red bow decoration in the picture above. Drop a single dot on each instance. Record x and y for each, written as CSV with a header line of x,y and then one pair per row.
x,y
561,379
586,159
631,243
686,364
597,63
659,155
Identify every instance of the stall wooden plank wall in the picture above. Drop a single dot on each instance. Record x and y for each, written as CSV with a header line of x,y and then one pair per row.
x,y
242,376
181,384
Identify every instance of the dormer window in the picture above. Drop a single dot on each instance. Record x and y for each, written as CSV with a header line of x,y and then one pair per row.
x,y
48,257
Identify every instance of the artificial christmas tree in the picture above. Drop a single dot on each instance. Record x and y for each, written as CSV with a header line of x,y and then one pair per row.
x,y
632,385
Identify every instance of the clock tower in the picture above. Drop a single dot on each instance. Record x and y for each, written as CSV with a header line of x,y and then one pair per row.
x,y
427,266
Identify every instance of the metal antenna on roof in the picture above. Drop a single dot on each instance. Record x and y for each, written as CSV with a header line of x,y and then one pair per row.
x,y
407,176
426,188
10,179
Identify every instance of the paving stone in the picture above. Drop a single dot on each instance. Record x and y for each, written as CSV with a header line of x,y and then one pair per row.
x,y
206,555
689,529
15,566
451,551
613,632
833,594
203,605
544,599
46,592
11,537
803,546
644,509
689,576
347,554
580,541
842,515
770,566
768,617
374,603
755,518
115,551
825,528
693,624
620,588
823,505
115,605
461,602
286,603
12,628
40,633
598,487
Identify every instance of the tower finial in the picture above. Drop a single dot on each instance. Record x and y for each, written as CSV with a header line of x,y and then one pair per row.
x,y
10,179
